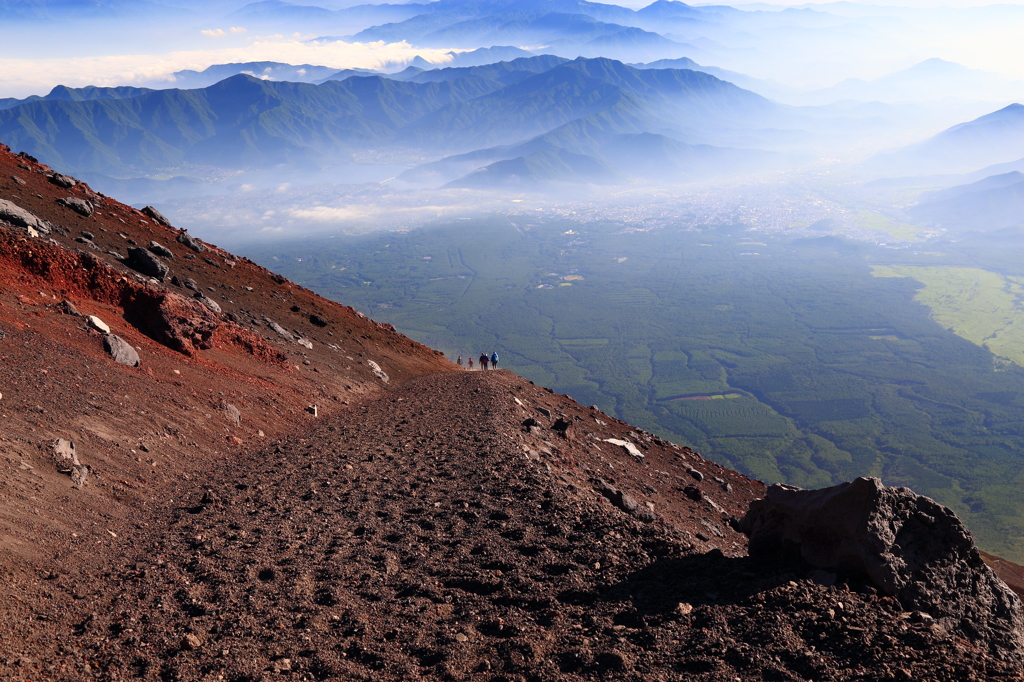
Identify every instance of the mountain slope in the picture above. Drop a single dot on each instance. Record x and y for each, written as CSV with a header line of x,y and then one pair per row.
x,y
991,139
542,169
62,92
282,487
238,122
991,204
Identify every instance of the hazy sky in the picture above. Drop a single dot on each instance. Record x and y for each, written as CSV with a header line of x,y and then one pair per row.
x,y
871,43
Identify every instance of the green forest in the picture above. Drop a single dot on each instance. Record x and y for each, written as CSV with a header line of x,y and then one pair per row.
x,y
788,359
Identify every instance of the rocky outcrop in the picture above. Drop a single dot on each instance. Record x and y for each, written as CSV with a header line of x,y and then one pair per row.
x,y
182,324
907,545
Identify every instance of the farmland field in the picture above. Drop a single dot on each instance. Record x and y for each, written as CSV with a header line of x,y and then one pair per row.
x,y
834,371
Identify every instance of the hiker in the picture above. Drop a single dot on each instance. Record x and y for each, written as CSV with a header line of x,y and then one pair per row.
x,y
459,361
471,364
483,361
494,360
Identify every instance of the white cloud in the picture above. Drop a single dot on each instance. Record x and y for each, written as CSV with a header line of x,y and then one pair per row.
x,y
328,214
23,77
236,29
214,33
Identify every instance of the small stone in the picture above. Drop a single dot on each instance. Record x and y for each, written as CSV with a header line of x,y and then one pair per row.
x,y
234,416
282,665
461,638
684,609
207,301
79,475
64,454
121,350
697,476
97,324
190,642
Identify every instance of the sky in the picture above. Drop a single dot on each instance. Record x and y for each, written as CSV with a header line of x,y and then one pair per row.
x,y
36,57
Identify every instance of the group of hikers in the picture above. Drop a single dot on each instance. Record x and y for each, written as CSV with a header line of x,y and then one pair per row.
x,y
484,360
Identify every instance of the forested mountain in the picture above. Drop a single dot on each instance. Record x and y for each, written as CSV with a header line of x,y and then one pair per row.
x,y
246,122
62,92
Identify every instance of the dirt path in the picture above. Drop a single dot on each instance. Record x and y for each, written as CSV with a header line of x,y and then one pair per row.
x,y
428,534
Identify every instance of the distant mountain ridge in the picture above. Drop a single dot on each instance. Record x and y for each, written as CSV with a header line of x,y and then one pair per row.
x,y
995,138
245,122
991,204
88,93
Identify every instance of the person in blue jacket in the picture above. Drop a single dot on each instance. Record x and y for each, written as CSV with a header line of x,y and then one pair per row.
x,y
494,360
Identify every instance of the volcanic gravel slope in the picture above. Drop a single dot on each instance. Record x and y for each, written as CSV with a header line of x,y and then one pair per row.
x,y
428,523
427,534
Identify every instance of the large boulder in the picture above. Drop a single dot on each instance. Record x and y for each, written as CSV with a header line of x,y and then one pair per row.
x,y
80,206
156,215
61,180
180,323
147,263
120,350
191,242
19,217
909,547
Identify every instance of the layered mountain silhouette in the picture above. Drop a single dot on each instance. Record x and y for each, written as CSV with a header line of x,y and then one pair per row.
x,y
565,26
991,139
276,71
932,79
64,93
246,122
993,203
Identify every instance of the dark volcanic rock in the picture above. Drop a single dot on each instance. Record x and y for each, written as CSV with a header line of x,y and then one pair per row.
x,y
909,546
65,181
191,242
147,263
80,206
160,250
156,215
16,215
183,324
624,501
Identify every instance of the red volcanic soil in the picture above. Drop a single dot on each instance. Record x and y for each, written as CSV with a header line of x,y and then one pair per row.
x,y
441,524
